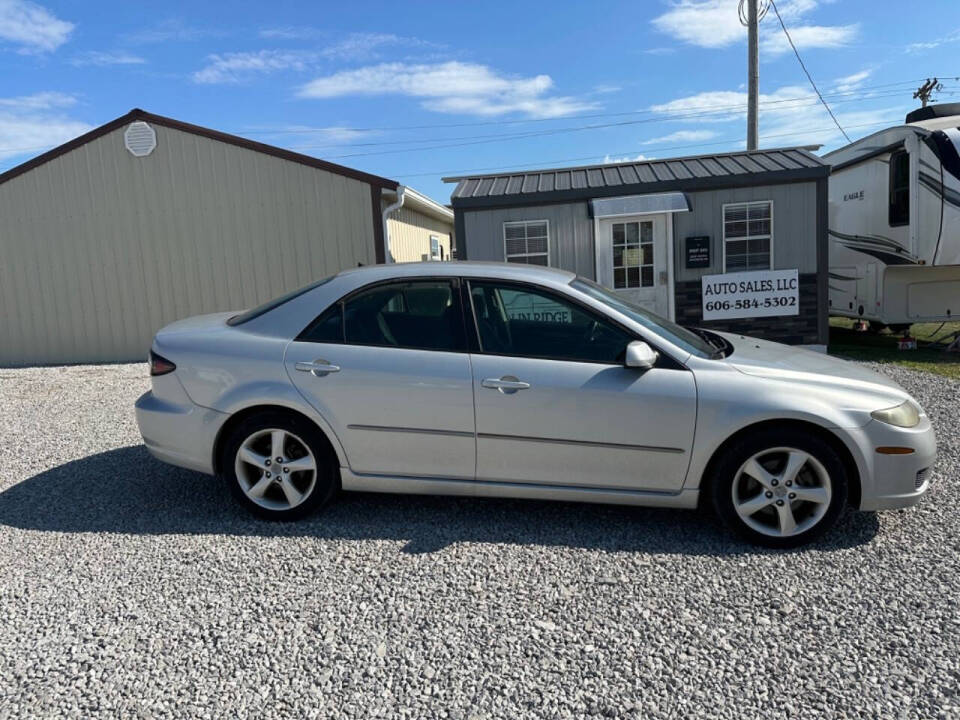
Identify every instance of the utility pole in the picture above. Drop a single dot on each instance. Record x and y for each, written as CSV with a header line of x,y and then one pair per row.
x,y
753,74
925,92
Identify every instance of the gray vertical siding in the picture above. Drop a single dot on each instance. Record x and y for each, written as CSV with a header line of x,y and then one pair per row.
x,y
99,249
799,237
571,234
571,228
794,226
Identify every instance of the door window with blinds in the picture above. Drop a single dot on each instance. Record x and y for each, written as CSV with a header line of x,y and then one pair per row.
x,y
748,236
527,242
632,254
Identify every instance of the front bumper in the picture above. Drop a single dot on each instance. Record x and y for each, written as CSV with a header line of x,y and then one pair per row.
x,y
897,481
178,431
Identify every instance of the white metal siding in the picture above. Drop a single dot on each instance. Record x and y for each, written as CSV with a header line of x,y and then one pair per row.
x,y
99,249
410,233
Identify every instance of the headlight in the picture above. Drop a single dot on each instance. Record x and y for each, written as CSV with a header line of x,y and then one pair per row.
x,y
904,415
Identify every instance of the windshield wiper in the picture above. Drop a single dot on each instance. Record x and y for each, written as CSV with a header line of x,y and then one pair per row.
x,y
715,341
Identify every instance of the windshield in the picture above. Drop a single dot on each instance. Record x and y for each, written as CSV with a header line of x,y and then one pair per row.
x,y
679,336
256,312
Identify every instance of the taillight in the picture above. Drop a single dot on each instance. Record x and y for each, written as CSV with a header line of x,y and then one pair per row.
x,y
160,365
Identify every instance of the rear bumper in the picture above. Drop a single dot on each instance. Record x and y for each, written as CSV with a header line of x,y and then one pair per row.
x,y
179,433
897,481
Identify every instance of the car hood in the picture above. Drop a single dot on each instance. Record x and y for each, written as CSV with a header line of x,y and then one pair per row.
x,y
763,358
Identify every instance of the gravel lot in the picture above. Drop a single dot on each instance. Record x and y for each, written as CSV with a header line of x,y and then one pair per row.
x,y
129,588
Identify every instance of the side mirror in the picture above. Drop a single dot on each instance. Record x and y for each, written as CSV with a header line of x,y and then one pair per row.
x,y
640,355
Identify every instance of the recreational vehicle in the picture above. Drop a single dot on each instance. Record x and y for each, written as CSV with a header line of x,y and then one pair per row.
x,y
894,224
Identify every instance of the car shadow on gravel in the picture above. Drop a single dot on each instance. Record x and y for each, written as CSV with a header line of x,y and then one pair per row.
x,y
127,491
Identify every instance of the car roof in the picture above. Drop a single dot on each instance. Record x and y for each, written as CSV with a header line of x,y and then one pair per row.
x,y
456,268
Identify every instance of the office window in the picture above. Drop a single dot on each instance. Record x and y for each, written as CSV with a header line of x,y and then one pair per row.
x,y
748,236
527,242
633,254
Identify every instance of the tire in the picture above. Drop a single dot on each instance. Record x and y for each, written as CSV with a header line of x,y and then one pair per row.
x,y
306,479
770,478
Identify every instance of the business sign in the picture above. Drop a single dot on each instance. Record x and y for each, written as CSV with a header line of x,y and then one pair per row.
x,y
697,251
761,293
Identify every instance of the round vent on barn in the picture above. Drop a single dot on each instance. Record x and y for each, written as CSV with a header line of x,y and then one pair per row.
x,y
140,139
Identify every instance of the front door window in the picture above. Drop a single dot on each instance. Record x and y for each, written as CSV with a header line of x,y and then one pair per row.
x,y
632,254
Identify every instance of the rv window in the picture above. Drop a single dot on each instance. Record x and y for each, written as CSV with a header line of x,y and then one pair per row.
x,y
899,188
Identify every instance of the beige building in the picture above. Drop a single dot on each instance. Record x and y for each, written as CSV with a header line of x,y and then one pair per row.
x,y
147,219
415,227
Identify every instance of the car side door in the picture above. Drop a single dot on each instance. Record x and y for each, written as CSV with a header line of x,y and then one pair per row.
x,y
387,367
555,404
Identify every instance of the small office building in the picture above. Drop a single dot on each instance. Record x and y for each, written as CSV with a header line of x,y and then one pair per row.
x,y
733,241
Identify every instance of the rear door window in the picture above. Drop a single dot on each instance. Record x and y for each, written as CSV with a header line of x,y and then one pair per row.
x,y
420,315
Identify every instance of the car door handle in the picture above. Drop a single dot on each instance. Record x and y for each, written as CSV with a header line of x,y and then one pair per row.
x,y
319,368
507,384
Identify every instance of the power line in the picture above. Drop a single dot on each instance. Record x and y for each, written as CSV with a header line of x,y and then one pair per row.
x,y
533,134
796,103
586,158
390,128
806,72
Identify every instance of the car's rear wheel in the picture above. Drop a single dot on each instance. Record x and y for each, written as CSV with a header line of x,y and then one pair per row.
x,y
780,488
279,466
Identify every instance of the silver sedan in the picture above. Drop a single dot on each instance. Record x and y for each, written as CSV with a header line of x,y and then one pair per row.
x,y
522,382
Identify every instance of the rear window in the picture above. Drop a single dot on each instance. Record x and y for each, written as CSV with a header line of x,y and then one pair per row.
x,y
256,312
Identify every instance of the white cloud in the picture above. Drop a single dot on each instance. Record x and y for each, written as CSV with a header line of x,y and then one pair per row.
x,y
96,57
935,43
716,24
851,82
172,30
314,136
32,27
604,89
808,36
241,66
682,136
637,158
789,115
706,23
33,123
451,87
289,32
38,101
365,46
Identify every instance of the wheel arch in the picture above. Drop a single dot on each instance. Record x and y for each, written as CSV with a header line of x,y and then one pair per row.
x,y
854,490
247,412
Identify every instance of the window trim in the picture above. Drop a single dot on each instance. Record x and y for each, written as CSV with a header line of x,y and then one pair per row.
x,y
477,347
890,171
506,257
455,282
723,223
439,255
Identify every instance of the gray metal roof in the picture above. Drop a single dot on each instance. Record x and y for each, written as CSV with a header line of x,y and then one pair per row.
x,y
684,173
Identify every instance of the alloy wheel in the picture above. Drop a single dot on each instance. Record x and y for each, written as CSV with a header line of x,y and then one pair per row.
x,y
276,469
781,492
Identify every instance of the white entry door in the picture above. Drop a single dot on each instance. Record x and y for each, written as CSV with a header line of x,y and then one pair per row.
x,y
632,259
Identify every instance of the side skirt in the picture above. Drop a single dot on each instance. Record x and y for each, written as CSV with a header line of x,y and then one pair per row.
x,y
686,498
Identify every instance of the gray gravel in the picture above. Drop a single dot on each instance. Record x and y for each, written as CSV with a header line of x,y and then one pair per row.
x,y
129,588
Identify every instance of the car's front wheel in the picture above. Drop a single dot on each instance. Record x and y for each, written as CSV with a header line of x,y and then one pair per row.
x,y
779,488
279,466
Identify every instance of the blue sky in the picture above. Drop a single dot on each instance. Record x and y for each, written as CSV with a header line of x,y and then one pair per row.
x,y
417,90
